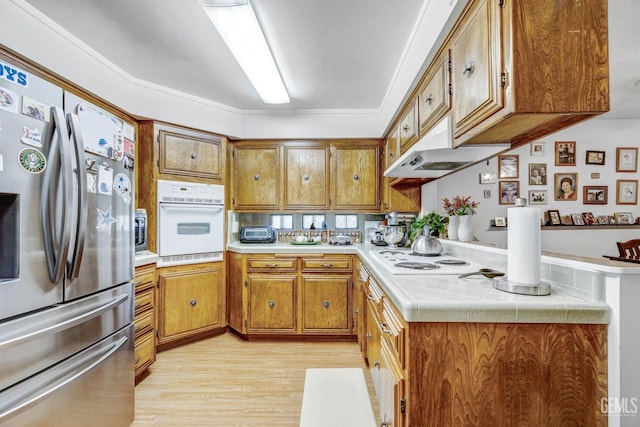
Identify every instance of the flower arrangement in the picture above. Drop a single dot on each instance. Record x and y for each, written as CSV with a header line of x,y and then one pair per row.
x,y
459,206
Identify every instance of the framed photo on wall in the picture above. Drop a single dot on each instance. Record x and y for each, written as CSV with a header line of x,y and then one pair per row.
x,y
595,157
537,197
627,159
508,166
565,186
537,174
554,217
537,148
627,192
595,195
509,192
565,153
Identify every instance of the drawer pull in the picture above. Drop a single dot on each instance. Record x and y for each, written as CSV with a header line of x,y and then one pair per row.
x,y
136,361
256,177
326,265
272,304
193,302
194,155
271,265
356,177
326,304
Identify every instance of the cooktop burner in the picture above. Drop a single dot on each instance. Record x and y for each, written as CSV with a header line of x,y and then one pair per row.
x,y
422,255
452,262
417,265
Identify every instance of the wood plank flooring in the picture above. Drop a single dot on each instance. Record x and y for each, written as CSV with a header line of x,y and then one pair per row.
x,y
227,381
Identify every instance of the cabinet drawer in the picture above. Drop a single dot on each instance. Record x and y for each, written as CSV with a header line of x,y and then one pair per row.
x,y
145,279
375,295
393,331
144,352
144,301
143,323
271,264
343,264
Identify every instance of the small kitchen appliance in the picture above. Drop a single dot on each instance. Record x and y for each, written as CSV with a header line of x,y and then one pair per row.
x,y
140,229
257,234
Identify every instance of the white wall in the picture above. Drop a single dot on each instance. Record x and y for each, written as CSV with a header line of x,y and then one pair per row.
x,y
596,134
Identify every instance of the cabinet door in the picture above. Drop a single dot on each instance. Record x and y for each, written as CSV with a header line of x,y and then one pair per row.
x,y
356,176
391,148
391,390
307,178
257,178
272,303
190,301
434,99
476,60
409,128
326,304
188,154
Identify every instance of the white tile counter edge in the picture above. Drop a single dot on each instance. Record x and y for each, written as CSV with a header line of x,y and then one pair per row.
x,y
442,298
145,257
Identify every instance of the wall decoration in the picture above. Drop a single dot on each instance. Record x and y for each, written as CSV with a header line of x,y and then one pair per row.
x,y
595,195
537,197
565,153
627,159
537,174
627,192
487,194
603,219
565,186
537,148
508,165
554,217
595,157
487,177
509,192
589,218
577,219
566,220
623,217
501,221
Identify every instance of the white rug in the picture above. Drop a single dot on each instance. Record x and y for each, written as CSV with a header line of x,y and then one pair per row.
x,y
336,397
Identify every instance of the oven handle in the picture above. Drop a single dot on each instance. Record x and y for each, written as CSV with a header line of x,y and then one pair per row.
x,y
166,205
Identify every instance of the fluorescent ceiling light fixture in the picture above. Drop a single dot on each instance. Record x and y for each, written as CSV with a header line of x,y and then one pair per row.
x,y
237,24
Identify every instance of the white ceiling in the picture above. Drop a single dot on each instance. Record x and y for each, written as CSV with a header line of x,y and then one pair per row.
x,y
334,55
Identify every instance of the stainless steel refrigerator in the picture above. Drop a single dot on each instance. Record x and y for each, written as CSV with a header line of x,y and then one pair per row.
x,y
66,257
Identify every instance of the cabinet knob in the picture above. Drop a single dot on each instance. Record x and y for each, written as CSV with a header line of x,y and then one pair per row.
x,y
306,177
429,99
376,363
405,128
272,304
468,69
193,302
194,155
325,304
356,177
256,177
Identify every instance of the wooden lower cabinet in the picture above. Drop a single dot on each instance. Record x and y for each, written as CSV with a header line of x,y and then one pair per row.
x,y
145,318
191,301
482,374
285,295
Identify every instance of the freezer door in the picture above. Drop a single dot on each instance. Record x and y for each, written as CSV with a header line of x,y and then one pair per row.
x,y
93,388
26,128
103,246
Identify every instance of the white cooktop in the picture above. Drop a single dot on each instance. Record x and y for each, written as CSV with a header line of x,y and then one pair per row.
x,y
403,262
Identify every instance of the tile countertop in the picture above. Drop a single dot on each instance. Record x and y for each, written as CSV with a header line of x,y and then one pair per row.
x,y
145,257
446,298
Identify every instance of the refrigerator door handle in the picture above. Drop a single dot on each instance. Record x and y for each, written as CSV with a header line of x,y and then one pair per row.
x,y
57,324
67,373
56,252
82,207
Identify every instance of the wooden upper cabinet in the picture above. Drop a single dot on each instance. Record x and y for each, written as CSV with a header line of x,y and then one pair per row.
x,y
409,127
187,153
476,67
256,177
306,184
356,177
391,148
434,99
524,69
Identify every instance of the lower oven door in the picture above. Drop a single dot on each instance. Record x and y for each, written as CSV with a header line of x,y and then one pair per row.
x,y
185,229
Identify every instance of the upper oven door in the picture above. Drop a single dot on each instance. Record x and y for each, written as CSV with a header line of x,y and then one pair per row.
x,y
185,229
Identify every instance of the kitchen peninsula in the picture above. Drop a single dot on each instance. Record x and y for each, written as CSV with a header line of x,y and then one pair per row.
x,y
444,349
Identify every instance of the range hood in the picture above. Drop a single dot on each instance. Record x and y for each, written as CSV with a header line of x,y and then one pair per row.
x,y
433,155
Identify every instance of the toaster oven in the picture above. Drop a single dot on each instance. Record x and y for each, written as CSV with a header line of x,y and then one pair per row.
x,y
257,234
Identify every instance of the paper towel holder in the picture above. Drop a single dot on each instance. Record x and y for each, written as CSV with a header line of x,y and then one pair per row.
x,y
503,284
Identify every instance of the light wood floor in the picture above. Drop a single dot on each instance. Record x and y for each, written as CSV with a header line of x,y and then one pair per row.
x,y
227,381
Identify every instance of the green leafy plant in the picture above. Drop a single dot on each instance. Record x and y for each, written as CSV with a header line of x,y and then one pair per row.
x,y
435,223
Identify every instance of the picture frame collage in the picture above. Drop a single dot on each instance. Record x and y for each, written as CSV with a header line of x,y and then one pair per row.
x,y
566,183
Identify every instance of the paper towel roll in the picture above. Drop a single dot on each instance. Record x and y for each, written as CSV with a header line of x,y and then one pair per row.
x,y
523,245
